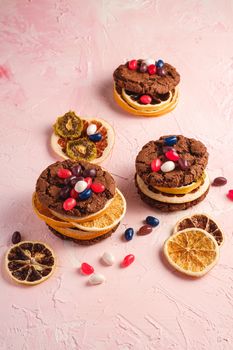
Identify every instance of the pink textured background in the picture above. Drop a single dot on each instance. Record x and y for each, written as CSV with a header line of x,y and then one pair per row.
x,y
60,55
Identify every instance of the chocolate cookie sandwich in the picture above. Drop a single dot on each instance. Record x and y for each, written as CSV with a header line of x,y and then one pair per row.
x,y
146,87
78,201
171,173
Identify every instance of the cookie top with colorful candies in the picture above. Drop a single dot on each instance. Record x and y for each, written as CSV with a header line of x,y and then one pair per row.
x,y
75,188
149,65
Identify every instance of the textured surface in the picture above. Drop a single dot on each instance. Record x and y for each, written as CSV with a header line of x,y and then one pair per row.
x,y
60,55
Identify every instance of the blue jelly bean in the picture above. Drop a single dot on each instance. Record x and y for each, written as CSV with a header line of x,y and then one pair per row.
x,y
160,63
152,221
129,234
170,141
95,137
85,194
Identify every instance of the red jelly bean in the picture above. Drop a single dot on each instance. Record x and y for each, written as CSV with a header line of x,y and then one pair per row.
x,y
73,194
152,69
230,195
88,181
156,164
145,99
144,230
64,173
172,155
133,64
128,260
86,269
219,181
97,187
69,204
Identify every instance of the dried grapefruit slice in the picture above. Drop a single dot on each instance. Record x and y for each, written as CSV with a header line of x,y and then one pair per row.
x,y
192,251
149,107
30,263
203,222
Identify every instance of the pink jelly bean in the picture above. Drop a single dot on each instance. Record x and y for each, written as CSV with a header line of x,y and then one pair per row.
x,y
230,195
128,260
156,164
145,99
86,269
69,204
64,173
97,187
172,155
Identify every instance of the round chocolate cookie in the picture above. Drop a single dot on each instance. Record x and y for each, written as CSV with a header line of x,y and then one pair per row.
x,y
144,83
50,188
190,150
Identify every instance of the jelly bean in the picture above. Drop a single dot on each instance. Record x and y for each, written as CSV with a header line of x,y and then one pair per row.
x,y
96,278
168,166
183,163
172,155
73,194
151,69
89,173
80,186
145,99
156,164
219,181
65,192
73,180
108,259
16,237
129,234
149,61
86,269
143,67
91,129
160,63
76,170
64,173
97,187
88,181
230,195
152,221
85,194
170,141
128,260
133,64
96,137
144,230
161,72
69,204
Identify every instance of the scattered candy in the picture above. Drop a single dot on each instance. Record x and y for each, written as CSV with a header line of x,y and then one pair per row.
x,y
128,260
73,180
230,195
88,181
156,164
69,204
108,259
16,237
73,194
160,63
91,129
145,230
172,155
95,137
170,141
97,187
133,64
161,72
129,232
145,99
152,69
143,67
64,173
85,194
183,163
168,166
152,221
86,269
89,173
76,170
80,186
96,278
149,61
219,181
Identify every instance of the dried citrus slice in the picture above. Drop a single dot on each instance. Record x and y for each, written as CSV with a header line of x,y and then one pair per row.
x,y
192,251
110,218
30,263
69,125
204,222
149,107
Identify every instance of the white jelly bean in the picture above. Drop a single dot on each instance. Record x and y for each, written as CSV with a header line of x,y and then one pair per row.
x,y
80,186
108,258
149,61
168,166
91,129
96,278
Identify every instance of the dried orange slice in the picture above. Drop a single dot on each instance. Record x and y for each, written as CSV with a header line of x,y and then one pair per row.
x,y
30,263
192,251
204,222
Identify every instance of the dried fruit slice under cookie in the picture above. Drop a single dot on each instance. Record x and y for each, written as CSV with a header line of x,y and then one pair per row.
x,y
203,222
82,139
30,263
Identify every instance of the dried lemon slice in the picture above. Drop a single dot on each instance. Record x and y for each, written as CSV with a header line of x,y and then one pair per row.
x,y
192,251
204,222
30,263
68,126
